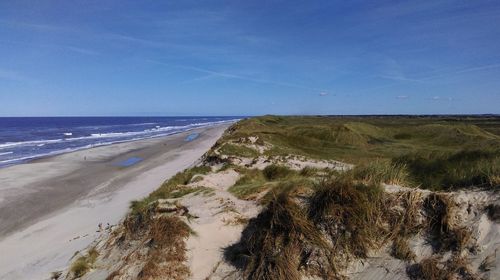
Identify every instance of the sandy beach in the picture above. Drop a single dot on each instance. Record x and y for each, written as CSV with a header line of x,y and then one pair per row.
x,y
50,208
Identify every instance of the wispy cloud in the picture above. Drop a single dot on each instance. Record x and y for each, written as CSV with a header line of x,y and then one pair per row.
x,y
323,93
402,97
400,78
234,76
444,98
450,73
33,25
75,49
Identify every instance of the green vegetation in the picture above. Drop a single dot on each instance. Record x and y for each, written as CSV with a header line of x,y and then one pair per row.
x,y
238,150
462,169
273,179
83,263
379,171
351,213
173,188
274,171
439,153
251,182
355,139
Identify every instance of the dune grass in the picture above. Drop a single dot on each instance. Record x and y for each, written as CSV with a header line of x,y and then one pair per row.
x,y
380,171
238,150
250,183
172,188
351,213
83,263
272,244
274,171
449,171
167,255
357,139
440,153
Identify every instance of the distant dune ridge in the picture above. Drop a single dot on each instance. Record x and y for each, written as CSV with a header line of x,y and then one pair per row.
x,y
318,198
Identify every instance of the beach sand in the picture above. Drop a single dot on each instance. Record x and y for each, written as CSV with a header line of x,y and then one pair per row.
x,y
50,208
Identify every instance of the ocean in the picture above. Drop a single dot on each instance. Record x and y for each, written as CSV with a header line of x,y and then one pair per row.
x,y
26,138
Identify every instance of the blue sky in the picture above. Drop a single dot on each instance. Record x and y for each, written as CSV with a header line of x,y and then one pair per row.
x,y
248,57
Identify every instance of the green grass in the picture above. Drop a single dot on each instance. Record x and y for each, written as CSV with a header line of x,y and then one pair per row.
x,y
251,182
380,171
358,139
173,188
274,172
273,178
237,150
439,153
449,171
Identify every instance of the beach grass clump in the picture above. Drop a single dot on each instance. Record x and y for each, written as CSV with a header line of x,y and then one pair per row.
x,y
443,229
250,183
451,171
167,254
380,171
84,263
238,150
172,188
274,172
272,244
351,214
308,171
297,187
432,268
401,250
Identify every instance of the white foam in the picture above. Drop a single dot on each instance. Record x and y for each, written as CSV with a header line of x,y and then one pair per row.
x,y
28,143
139,135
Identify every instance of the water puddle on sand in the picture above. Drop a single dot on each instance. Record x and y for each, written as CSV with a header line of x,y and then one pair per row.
x,y
129,162
191,137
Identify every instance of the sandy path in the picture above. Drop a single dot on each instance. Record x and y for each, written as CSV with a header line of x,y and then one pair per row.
x,y
50,208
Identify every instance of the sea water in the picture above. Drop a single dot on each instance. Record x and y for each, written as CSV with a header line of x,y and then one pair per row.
x,y
23,139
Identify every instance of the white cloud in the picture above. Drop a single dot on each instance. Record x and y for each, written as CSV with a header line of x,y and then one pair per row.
x,y
437,97
323,93
402,97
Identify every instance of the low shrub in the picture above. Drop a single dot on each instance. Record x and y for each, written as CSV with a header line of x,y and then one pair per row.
x,y
274,172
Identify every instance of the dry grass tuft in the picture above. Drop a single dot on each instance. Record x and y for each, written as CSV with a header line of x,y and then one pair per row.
x,y
438,209
351,214
401,250
444,232
379,171
488,263
83,263
272,244
167,255
432,269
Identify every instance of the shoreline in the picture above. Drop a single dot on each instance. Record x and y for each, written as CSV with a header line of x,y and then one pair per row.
x,y
51,207
30,159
